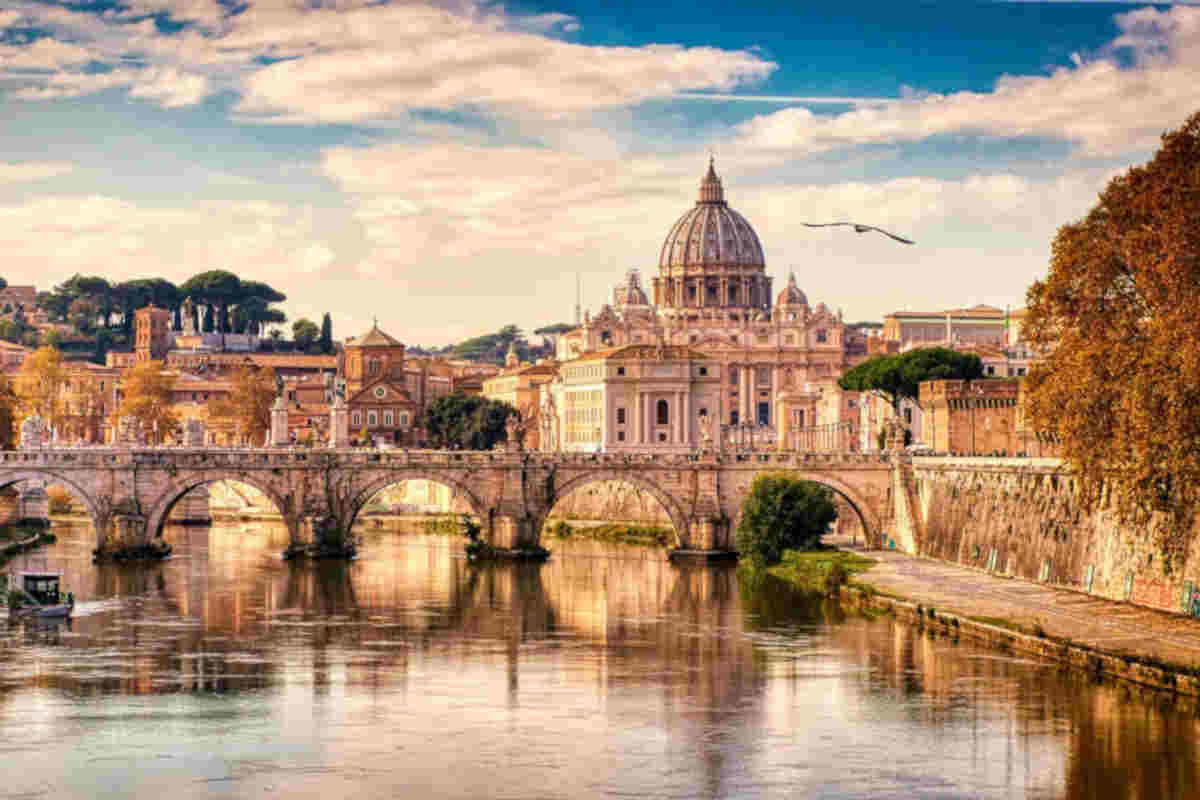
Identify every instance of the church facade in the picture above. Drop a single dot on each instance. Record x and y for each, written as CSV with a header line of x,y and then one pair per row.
x,y
778,358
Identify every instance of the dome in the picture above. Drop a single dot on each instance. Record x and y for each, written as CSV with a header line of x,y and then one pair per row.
x,y
630,293
711,233
791,295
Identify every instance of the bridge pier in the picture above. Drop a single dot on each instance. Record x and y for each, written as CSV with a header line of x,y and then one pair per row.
x,y
320,535
124,536
517,535
33,506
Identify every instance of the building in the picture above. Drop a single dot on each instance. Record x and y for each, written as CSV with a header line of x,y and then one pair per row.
x,y
151,334
520,385
980,325
378,394
645,398
972,417
712,296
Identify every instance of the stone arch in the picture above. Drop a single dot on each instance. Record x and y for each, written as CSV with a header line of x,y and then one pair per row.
x,y
9,477
679,519
160,509
478,508
871,522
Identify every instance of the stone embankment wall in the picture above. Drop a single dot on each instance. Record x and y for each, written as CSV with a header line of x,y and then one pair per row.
x,y
1020,517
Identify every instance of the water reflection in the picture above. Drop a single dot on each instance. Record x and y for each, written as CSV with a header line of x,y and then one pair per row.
x,y
606,671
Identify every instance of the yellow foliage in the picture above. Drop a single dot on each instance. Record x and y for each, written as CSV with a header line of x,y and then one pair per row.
x,y
39,385
1117,321
147,399
249,405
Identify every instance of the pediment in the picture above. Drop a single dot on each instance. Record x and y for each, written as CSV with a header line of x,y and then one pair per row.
x,y
382,392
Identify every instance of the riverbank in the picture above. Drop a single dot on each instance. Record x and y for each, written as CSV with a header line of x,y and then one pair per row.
x,y
16,539
1107,639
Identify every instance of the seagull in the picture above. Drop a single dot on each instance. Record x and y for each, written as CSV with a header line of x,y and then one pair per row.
x,y
860,229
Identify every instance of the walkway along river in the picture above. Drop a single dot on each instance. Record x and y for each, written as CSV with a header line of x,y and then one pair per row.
x,y
604,672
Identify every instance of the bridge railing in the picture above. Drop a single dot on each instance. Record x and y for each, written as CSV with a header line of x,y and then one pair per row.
x,y
199,458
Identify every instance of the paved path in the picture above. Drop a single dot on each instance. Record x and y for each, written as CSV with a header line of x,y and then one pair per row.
x,y
1103,624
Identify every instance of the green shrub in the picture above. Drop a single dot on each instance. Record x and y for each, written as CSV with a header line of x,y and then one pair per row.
x,y
783,513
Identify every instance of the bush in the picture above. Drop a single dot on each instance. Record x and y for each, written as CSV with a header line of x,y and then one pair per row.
x,y
59,500
783,513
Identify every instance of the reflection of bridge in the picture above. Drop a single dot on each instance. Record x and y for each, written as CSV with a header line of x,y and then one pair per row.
x,y
129,493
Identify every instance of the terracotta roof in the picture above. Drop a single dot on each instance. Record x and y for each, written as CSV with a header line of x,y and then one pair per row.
x,y
373,338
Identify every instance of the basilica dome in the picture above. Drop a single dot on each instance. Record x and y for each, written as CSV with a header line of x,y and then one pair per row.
x,y
791,294
711,233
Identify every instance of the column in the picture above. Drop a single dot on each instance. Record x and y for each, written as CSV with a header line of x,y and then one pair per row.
x,y
648,415
636,413
744,393
724,290
686,416
775,419
679,420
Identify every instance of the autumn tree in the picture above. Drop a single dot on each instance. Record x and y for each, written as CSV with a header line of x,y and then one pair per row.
x,y
1115,321
40,384
248,407
147,400
9,405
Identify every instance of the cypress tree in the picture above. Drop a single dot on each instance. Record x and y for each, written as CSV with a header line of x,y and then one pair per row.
x,y
326,334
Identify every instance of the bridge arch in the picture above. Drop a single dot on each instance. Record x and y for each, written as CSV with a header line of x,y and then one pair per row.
x,y
94,509
179,486
867,516
679,519
378,484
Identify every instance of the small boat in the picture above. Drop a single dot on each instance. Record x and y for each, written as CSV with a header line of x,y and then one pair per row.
x,y
39,594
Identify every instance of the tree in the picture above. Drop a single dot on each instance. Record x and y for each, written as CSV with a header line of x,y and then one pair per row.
x,y
39,385
304,333
557,328
217,289
326,334
148,400
1114,321
83,314
898,377
3,284
468,422
783,513
9,406
248,406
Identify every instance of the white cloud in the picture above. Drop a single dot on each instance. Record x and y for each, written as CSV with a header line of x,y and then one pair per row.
x,y
31,171
170,87
1107,109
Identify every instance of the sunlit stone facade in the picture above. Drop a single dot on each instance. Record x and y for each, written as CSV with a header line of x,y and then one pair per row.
x,y
712,295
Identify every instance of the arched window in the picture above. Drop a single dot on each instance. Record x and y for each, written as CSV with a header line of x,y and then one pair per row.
x,y
664,416
733,376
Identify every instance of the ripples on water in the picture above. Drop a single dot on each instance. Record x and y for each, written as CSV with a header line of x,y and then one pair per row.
x,y
606,672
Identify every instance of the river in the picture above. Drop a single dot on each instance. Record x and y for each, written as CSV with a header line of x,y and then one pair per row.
x,y
606,672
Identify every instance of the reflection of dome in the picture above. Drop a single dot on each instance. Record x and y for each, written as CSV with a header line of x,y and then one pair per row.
x,y
630,292
791,295
711,233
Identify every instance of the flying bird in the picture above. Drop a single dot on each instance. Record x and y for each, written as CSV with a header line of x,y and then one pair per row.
x,y
860,229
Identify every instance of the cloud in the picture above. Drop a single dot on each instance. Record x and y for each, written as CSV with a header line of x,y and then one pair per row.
x,y
1106,108
31,171
170,87
358,61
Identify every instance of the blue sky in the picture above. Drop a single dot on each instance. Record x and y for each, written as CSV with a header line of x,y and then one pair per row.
x,y
451,167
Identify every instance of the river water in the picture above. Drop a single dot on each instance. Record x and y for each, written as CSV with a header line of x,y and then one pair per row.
x,y
606,672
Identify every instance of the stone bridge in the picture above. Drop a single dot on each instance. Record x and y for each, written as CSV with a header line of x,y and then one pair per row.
x,y
129,493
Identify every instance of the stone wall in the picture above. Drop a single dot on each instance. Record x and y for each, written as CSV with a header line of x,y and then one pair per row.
x,y
1020,517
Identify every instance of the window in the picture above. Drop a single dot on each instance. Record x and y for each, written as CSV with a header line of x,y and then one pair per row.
x,y
373,367
733,376
372,419
702,370
620,416
662,437
663,412
620,370
733,417
991,370
764,376
764,413
606,337
387,418
733,338
908,416
822,336
356,419
403,419
694,338
1021,371
620,436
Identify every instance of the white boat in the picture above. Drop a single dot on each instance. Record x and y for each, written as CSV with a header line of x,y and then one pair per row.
x,y
39,594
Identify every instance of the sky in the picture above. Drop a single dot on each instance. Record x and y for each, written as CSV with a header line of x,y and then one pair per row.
x,y
453,167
